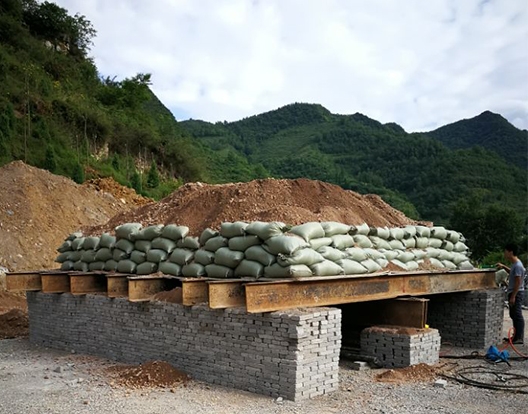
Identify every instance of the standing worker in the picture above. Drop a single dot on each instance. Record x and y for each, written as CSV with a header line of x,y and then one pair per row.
x,y
515,291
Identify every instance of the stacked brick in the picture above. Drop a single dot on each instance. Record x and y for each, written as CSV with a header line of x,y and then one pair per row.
x,y
468,319
293,354
272,250
395,347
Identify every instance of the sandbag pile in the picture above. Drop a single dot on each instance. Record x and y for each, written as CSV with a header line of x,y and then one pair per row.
x,y
266,249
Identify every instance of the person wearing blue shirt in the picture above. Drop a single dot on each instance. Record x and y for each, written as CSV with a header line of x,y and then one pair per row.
x,y
515,290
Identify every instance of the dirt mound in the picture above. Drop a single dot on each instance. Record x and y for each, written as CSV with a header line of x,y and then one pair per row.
x,y
148,375
298,201
10,301
13,324
414,373
172,296
39,209
124,194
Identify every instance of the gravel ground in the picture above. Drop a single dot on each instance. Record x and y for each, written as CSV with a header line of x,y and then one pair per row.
x,y
30,383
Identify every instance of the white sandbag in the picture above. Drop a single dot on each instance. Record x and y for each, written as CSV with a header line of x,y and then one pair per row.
x,y
227,257
410,231
458,258
360,240
381,232
174,232
308,231
332,228
342,241
423,231
374,254
409,243
436,263
214,243
371,265
419,254
143,245
390,254
249,268
127,230
332,254
351,267
320,242
453,236
146,268
295,271
242,243
380,243
284,244
266,230
396,244
432,252
382,262
258,254
170,268
235,229
193,270
327,268
397,233
400,264
206,235
412,265
448,264
447,245
362,229
404,256
439,232
204,257
164,244
460,247
421,242
219,271
305,256
445,255
357,254
465,265
436,243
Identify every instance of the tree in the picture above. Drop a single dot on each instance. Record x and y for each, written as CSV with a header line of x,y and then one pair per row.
x,y
135,181
153,178
78,173
115,162
50,162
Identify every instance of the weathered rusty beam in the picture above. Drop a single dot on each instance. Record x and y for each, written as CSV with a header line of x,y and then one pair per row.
x,y
117,285
23,281
194,291
82,283
55,282
229,293
306,292
142,288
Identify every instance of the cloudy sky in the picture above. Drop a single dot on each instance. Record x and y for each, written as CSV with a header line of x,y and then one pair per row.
x,y
419,63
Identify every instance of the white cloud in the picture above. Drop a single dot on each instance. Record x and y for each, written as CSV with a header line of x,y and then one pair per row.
x,y
420,64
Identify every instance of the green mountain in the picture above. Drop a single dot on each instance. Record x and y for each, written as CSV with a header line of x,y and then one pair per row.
x,y
490,131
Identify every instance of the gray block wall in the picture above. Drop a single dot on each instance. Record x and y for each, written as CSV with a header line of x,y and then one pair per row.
x,y
293,354
468,319
401,347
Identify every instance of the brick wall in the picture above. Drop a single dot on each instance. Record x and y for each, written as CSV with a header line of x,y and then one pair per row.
x,y
293,354
468,319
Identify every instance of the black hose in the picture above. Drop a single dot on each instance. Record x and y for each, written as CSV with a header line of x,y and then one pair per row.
x,y
463,375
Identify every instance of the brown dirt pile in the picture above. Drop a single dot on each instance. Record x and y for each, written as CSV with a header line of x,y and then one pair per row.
x,y
13,324
414,373
199,206
39,209
124,194
10,301
148,375
171,296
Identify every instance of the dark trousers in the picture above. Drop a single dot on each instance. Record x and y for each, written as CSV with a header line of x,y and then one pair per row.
x,y
517,316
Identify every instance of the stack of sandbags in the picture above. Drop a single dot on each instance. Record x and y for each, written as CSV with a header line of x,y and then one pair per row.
x,y
85,254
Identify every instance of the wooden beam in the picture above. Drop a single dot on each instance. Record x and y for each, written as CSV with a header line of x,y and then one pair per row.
x,y
227,293
23,281
82,283
55,282
306,292
194,291
117,285
142,288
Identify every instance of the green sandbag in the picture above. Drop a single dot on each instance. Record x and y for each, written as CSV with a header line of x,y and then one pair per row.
x,y
363,241
126,266
95,266
103,254
284,244
77,244
156,255
397,233
447,245
138,257
110,265
306,256
436,263
448,264
163,244
235,229
390,254
63,257
143,245
332,228
320,242
249,268
356,253
374,254
65,247
439,232
436,243
342,241
193,270
204,257
91,243
362,229
228,258
170,268
308,231
214,243
148,233
125,245
351,267
258,254
266,230
465,265
421,242
74,236
371,265
182,256
294,271
410,231
409,243
219,271
76,255
242,243
80,266
119,255
88,256
423,231
329,253
404,256
189,243
380,243
206,235
460,247
174,232
107,241
127,230
67,265
396,244
327,268
146,268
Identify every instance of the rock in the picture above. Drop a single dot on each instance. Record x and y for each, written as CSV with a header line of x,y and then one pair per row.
x,y
279,400
441,383
360,366
58,370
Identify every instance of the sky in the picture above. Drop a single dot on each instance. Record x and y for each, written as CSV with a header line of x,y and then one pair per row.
x,y
421,64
